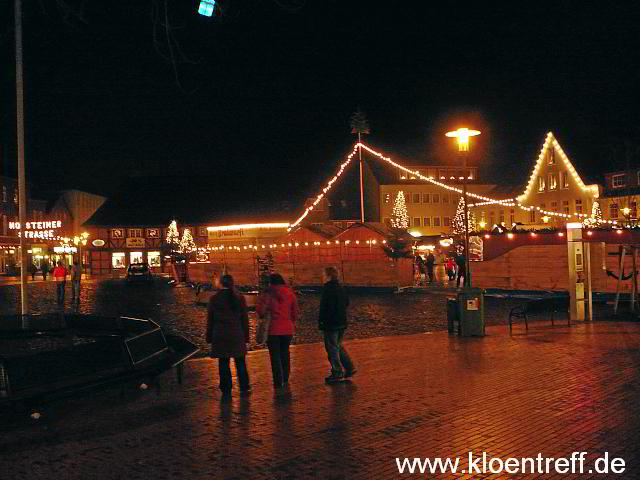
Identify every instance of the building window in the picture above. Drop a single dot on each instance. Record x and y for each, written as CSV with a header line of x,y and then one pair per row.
x,y
202,231
564,180
153,258
117,233
407,197
416,198
512,216
431,173
436,198
501,216
135,233
446,221
436,221
136,257
153,232
552,156
613,211
541,184
442,174
445,198
427,221
4,194
553,181
492,219
409,222
532,216
117,260
416,222
634,210
618,181
426,198
578,206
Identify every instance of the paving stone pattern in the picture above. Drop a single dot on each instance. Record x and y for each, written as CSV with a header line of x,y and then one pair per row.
x,y
554,390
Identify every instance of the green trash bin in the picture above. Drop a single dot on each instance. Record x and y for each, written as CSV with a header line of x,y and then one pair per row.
x,y
471,312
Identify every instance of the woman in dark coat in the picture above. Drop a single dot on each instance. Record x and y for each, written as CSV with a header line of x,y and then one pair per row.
x,y
228,333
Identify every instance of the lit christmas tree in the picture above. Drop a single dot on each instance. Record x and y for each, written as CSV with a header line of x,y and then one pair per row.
x,y
596,216
173,236
187,245
457,225
399,217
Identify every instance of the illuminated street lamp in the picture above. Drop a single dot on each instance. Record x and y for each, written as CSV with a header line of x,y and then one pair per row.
x,y
463,134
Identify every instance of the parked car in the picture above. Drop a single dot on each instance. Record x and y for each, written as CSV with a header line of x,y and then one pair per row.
x,y
138,272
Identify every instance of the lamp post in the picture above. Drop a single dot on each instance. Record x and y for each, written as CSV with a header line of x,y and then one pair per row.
x,y
79,242
463,134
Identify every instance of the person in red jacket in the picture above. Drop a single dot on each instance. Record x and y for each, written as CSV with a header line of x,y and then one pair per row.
x,y
281,304
60,276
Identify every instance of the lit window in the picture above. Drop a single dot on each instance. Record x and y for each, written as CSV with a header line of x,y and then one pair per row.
x,y
153,258
564,179
446,221
512,217
426,198
634,210
436,199
553,181
613,211
427,221
579,206
552,156
532,216
117,260
445,198
416,222
117,233
541,185
136,257
618,181
408,197
492,218
416,198
501,216
436,221
135,233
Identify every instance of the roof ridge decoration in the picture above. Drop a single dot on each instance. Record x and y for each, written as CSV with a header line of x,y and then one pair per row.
x,y
550,139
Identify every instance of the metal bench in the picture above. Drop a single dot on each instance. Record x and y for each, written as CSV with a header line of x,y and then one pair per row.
x,y
538,307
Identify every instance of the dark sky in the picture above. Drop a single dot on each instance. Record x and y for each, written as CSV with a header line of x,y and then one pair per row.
x,y
264,95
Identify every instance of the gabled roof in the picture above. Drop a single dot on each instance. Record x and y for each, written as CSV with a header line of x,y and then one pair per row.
x,y
551,142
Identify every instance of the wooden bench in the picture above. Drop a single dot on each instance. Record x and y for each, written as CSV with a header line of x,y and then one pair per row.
x,y
538,307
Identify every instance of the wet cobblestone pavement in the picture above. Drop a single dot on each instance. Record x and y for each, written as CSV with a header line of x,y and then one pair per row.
x,y
176,309
552,391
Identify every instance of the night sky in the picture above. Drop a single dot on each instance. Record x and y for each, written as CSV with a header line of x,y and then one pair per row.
x,y
261,94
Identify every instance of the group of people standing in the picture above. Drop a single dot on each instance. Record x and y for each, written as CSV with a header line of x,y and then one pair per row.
x,y
60,276
228,329
454,266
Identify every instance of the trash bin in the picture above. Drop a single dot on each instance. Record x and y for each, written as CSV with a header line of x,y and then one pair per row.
x,y
471,312
452,314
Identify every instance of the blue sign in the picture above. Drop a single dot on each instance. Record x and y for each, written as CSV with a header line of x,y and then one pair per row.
x,y
206,7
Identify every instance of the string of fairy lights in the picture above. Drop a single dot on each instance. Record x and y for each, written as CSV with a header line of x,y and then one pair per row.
x,y
289,245
484,200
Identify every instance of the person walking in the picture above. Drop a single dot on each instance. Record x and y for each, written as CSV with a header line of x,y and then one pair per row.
x,y
33,269
451,268
281,304
462,269
333,322
76,275
60,276
44,268
228,334
431,260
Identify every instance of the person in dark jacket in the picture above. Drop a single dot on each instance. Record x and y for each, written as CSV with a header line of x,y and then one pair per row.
x,y
431,260
462,269
44,268
228,334
333,322
281,304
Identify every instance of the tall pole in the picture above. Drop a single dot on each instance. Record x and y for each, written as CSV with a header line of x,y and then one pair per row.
x,y
361,183
22,195
467,264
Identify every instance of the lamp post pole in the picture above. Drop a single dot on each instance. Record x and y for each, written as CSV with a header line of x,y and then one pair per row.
x,y
463,134
22,196
361,182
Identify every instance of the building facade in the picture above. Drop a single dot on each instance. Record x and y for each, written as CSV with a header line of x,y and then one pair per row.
x,y
619,200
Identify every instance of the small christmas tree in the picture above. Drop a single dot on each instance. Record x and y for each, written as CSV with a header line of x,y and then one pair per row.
x,y
173,236
596,216
399,217
457,225
187,245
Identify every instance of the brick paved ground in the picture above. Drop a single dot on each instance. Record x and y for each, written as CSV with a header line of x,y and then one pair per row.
x,y
554,390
